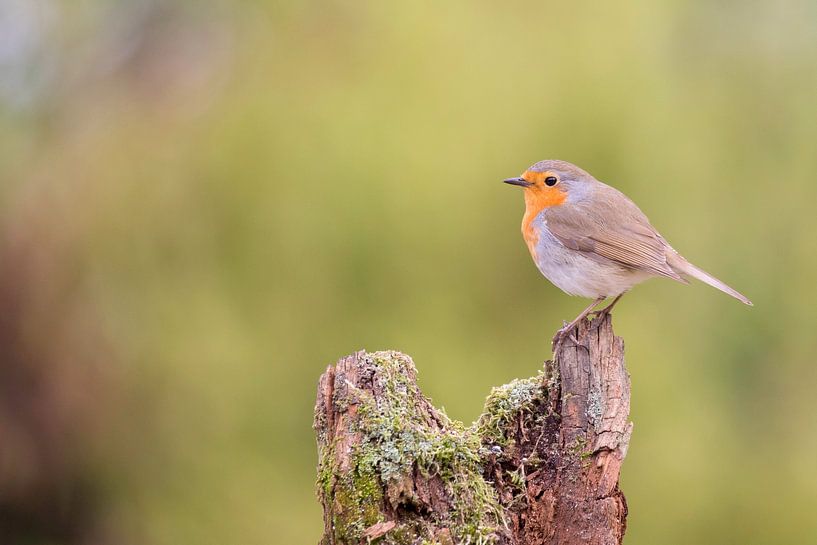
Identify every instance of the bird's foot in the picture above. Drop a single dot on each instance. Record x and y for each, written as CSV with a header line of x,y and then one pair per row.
x,y
568,330
599,313
606,311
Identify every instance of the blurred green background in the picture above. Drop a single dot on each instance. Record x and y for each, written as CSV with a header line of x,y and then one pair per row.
x,y
204,204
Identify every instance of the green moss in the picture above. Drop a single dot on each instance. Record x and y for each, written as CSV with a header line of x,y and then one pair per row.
x,y
326,471
396,438
360,498
400,438
503,404
454,457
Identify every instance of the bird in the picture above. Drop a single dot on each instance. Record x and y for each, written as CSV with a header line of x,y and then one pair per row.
x,y
591,240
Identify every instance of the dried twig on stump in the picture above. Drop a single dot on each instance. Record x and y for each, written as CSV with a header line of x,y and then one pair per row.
x,y
539,466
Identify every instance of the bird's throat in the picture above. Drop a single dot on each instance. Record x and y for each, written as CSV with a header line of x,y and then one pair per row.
x,y
536,200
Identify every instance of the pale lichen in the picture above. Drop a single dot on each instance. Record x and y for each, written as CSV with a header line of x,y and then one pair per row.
x,y
595,406
505,403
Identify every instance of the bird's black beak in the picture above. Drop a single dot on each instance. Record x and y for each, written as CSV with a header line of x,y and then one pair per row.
x,y
518,181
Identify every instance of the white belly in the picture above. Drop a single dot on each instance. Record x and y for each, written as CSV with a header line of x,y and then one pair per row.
x,y
576,274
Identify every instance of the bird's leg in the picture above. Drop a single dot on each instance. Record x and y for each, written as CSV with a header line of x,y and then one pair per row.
x,y
562,333
609,308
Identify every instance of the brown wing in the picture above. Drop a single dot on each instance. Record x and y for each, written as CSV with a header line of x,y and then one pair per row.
x,y
612,227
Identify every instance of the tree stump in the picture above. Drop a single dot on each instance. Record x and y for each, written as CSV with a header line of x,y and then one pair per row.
x,y
539,466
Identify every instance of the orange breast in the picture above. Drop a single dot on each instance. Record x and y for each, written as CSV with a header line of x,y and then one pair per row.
x,y
529,233
537,198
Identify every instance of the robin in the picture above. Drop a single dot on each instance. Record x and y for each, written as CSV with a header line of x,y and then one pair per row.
x,y
590,240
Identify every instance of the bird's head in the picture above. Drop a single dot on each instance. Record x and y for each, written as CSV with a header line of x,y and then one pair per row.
x,y
552,183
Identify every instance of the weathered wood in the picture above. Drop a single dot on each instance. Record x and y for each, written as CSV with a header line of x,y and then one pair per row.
x,y
539,466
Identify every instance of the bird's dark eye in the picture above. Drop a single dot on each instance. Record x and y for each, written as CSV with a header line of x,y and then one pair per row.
x,y
551,180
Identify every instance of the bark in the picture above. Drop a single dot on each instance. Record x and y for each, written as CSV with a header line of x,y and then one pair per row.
x,y
539,466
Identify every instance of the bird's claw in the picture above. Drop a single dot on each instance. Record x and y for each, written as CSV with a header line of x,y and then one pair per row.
x,y
563,333
599,313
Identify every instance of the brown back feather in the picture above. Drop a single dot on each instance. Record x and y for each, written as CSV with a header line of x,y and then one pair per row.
x,y
610,226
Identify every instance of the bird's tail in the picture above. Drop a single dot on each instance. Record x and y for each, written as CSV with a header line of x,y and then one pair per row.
x,y
683,266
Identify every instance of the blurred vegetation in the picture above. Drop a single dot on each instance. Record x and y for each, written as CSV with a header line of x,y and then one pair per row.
x,y
205,203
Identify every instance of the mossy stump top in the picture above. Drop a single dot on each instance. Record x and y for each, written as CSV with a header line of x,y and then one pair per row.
x,y
539,466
